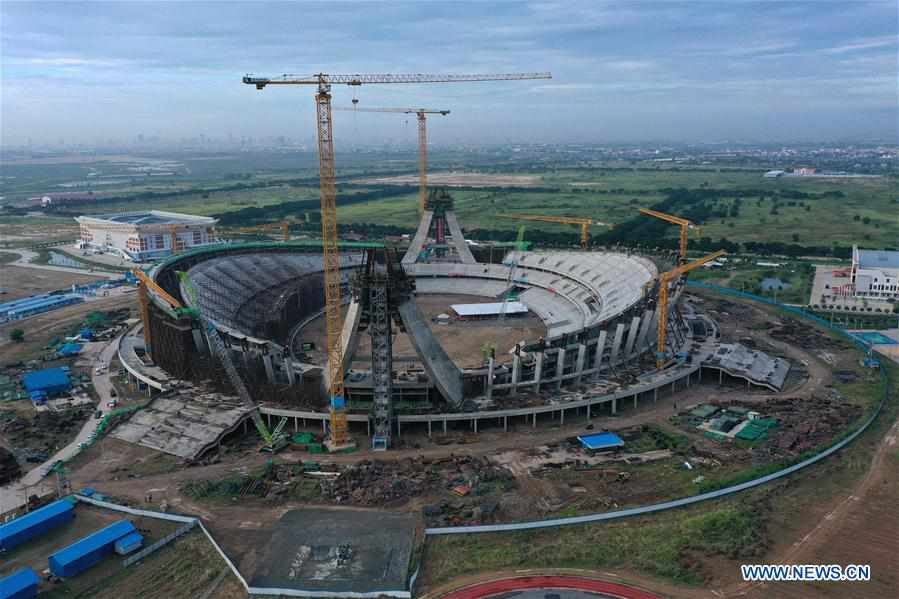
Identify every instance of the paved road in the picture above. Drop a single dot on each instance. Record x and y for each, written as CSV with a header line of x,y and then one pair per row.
x,y
35,481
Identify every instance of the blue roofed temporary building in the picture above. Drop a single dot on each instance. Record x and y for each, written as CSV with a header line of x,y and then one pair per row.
x,y
70,349
84,553
36,304
129,543
21,584
51,381
35,523
601,441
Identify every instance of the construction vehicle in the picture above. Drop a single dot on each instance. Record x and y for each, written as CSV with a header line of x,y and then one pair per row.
x,y
283,227
665,280
584,223
422,143
272,441
339,434
685,227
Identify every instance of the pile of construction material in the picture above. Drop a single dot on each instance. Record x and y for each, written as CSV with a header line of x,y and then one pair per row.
x,y
9,467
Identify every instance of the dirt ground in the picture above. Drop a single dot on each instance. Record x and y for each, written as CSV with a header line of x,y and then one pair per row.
x,y
19,282
40,329
453,179
462,341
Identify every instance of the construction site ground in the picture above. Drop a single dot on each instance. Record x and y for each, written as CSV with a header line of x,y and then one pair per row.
x,y
18,282
88,519
463,341
421,477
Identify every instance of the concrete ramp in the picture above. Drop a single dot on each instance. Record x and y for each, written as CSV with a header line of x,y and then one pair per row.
x,y
437,363
418,242
462,249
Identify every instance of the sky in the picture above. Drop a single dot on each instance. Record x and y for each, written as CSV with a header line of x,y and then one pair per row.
x,y
623,72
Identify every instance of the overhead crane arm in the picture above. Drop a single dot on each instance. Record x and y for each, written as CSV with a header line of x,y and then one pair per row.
x,y
422,143
328,191
584,223
664,281
685,226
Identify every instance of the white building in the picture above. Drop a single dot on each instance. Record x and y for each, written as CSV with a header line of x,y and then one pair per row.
x,y
145,235
875,274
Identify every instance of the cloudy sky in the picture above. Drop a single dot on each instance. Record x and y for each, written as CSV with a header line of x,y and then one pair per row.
x,y
622,71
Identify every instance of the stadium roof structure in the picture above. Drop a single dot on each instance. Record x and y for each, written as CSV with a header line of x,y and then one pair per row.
x,y
152,217
488,309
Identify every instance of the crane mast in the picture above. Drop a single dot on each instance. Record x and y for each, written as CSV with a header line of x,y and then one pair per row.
x,y
664,281
339,438
583,223
421,113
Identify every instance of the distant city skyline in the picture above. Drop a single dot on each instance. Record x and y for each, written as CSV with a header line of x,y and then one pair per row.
x,y
624,72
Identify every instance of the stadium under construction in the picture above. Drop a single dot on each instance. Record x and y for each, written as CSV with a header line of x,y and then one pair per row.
x,y
583,320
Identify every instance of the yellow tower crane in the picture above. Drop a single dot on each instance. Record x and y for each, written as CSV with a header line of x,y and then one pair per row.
x,y
584,223
422,142
685,226
283,226
328,191
665,280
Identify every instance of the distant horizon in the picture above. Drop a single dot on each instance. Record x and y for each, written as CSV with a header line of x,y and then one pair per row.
x,y
635,72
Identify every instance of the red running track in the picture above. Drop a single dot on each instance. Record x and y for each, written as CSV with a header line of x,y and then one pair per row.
x,y
487,589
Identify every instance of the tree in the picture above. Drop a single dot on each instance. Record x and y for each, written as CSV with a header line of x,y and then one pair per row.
x,y
17,335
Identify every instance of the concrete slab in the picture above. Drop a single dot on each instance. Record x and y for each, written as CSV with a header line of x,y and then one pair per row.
x,y
363,551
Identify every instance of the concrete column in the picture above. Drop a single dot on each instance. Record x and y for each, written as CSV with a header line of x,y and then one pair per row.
x,y
562,416
614,406
399,427
616,345
635,400
505,424
269,370
535,420
296,424
720,377
429,428
444,426
655,395
631,337
579,364
516,373
324,427
490,365
538,370
476,425
199,342
560,367
643,338
600,349
288,370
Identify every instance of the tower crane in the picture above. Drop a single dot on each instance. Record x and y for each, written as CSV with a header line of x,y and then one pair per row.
x,y
422,143
584,223
665,280
685,226
327,188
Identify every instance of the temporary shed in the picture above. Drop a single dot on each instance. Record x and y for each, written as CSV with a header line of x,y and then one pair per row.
x,y
50,380
35,523
129,543
488,310
84,553
21,584
70,349
601,441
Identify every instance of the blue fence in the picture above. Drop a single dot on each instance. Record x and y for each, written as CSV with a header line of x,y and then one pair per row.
x,y
667,505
